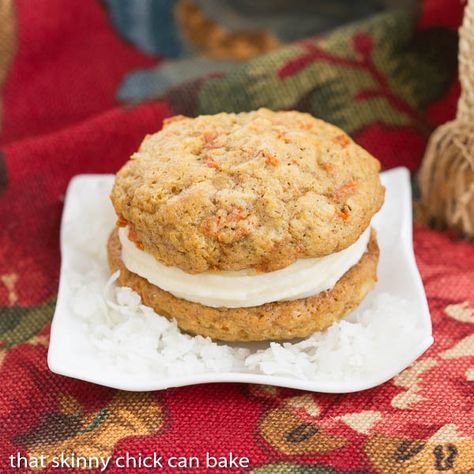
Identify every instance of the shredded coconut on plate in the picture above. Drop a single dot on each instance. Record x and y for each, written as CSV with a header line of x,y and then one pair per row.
x,y
130,335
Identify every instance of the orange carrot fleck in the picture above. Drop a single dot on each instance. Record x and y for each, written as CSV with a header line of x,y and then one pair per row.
x,y
236,215
210,136
327,166
344,189
343,214
212,163
121,222
305,125
132,234
270,159
283,137
342,140
227,227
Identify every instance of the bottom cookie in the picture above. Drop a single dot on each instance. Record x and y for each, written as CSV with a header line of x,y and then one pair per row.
x,y
276,321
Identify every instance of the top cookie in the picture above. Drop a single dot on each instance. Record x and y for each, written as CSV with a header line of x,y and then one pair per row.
x,y
249,190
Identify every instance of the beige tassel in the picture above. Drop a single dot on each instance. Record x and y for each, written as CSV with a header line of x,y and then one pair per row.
x,y
447,172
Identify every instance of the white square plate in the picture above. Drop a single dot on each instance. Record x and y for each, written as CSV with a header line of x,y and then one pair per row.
x,y
71,352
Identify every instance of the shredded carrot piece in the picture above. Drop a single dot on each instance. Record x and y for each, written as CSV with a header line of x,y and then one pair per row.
x,y
327,166
212,163
343,190
343,214
342,140
121,222
228,227
283,137
305,125
210,136
132,234
270,159
236,215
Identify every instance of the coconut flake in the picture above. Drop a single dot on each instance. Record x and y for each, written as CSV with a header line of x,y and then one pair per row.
x,y
133,337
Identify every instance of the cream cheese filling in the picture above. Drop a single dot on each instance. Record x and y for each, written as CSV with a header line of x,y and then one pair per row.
x,y
236,289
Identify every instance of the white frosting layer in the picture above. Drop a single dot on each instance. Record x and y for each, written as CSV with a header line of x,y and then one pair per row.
x,y
303,278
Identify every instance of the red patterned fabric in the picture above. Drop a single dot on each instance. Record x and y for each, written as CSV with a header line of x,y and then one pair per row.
x,y
62,115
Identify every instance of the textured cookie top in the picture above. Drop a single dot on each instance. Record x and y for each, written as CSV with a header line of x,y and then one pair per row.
x,y
257,189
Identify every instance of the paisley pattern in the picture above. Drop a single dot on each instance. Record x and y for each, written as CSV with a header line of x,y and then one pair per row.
x,y
72,430
74,103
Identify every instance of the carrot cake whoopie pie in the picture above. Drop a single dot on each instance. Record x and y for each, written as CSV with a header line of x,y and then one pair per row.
x,y
248,226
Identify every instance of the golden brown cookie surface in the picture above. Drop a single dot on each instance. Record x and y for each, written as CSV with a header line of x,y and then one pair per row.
x,y
258,189
276,321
